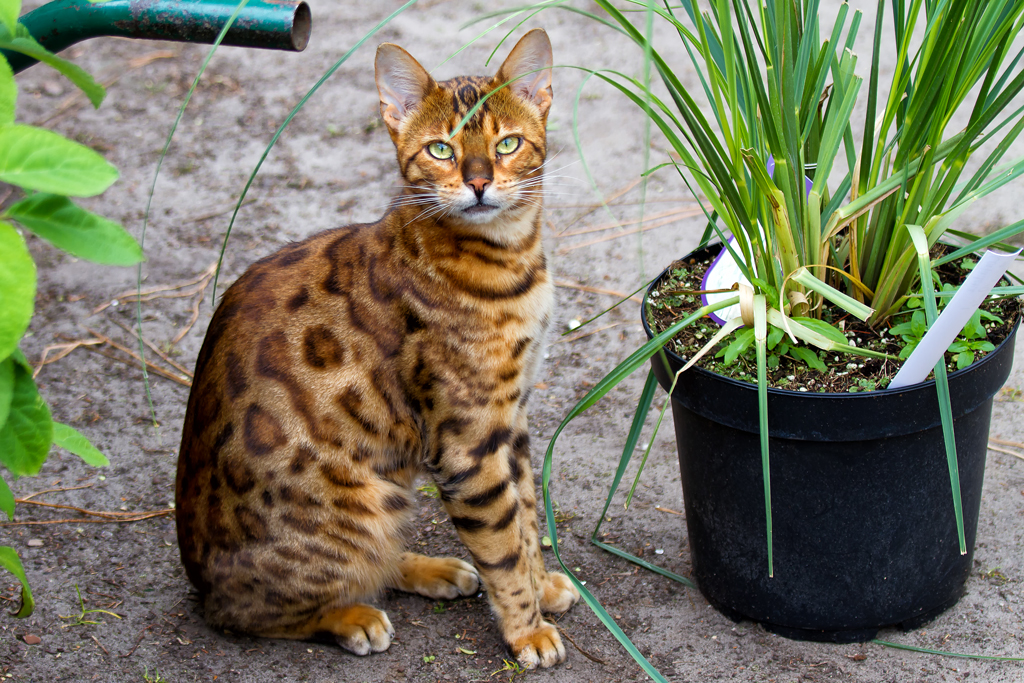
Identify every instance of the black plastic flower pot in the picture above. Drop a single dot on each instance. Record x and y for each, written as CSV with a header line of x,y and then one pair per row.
x,y
864,530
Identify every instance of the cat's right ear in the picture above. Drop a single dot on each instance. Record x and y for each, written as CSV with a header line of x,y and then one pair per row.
x,y
401,82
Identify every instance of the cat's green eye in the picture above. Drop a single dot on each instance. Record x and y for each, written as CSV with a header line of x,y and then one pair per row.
x,y
439,150
508,145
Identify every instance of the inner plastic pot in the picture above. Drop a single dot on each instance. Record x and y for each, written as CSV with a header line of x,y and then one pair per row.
x,y
864,531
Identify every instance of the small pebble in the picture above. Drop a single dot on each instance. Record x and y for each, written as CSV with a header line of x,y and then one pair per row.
x,y
32,639
659,551
34,543
573,324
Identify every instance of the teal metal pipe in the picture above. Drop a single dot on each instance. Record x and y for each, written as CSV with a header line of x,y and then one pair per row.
x,y
270,24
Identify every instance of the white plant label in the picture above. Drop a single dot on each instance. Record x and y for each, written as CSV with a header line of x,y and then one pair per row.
x,y
956,314
723,273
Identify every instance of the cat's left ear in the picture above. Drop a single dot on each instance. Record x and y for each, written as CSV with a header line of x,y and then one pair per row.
x,y
528,67
401,82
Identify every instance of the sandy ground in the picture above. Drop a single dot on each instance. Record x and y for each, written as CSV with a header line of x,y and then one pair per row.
x,y
333,166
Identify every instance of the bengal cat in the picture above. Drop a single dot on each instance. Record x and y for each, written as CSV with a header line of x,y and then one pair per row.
x,y
341,367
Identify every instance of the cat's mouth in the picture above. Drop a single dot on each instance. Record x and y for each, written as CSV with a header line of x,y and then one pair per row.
x,y
480,209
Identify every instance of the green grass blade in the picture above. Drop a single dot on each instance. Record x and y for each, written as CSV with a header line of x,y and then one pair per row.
x,y
917,234
149,202
639,417
943,653
607,383
643,563
760,337
650,444
284,124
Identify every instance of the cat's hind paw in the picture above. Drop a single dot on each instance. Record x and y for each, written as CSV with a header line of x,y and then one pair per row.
x,y
558,594
540,647
440,578
360,629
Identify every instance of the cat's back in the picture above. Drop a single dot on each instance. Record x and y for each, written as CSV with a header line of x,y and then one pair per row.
x,y
294,360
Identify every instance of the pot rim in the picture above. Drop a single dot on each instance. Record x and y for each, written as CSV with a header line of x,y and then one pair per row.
x,y
863,395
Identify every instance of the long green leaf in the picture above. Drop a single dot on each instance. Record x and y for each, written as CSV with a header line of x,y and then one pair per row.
x,y
17,288
9,561
81,233
39,159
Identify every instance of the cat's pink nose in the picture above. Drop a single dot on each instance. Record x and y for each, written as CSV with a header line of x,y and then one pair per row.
x,y
478,185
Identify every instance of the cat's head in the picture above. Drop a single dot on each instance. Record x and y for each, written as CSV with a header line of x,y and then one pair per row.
x,y
488,173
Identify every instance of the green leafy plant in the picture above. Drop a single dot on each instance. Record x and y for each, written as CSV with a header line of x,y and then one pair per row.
x,y
47,169
79,619
812,214
781,94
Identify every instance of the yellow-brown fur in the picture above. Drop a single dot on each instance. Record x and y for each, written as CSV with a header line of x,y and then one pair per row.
x,y
339,368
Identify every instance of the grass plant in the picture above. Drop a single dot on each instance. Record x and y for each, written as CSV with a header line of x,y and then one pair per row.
x,y
821,209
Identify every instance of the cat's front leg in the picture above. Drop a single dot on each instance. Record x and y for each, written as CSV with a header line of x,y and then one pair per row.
x,y
557,594
477,473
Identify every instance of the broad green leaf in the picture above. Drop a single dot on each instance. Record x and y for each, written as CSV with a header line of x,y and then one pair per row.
x,y
9,11
24,43
26,436
17,288
9,561
738,346
6,499
6,388
79,232
71,439
8,93
39,159
810,358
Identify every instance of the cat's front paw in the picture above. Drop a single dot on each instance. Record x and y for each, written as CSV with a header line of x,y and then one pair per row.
x,y
558,594
540,647
361,629
440,578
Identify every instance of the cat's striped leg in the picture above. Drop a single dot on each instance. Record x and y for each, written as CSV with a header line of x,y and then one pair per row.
x,y
474,467
557,594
